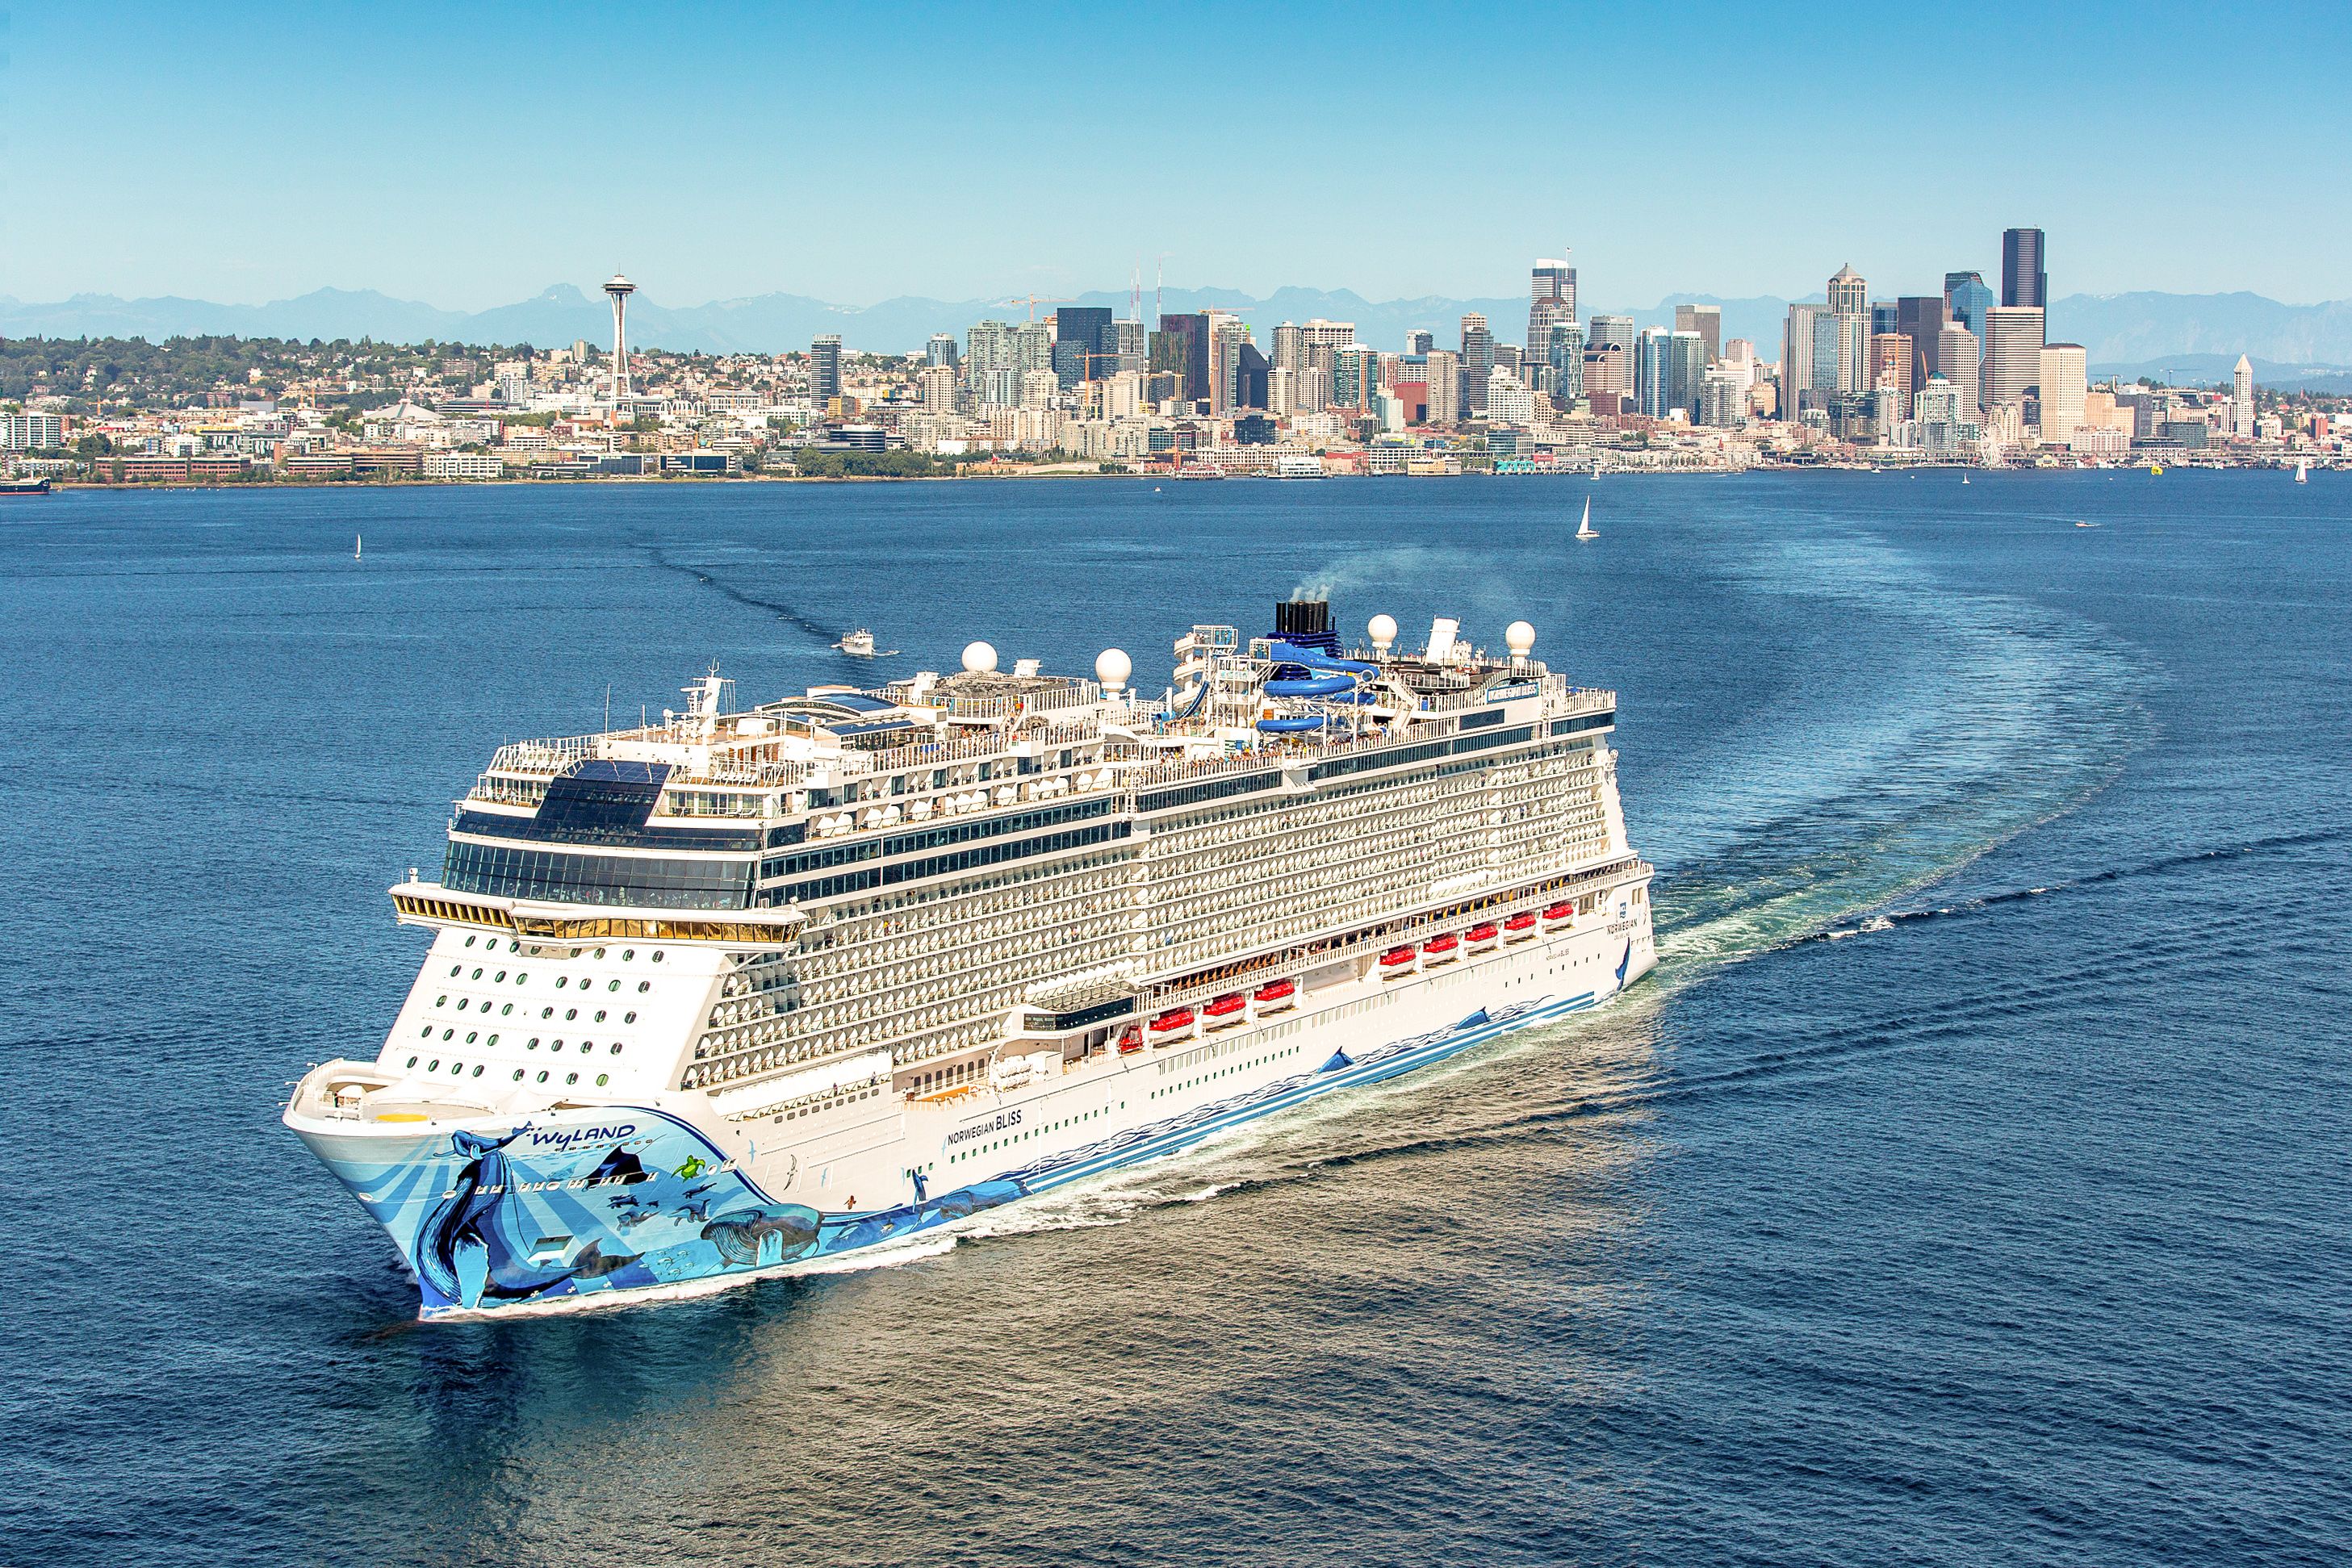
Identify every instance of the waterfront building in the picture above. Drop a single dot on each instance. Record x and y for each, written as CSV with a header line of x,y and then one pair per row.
x,y
1181,347
1849,306
2013,356
2024,269
1445,387
1564,353
1941,416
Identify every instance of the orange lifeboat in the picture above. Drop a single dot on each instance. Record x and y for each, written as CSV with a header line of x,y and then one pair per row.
x,y
1169,1023
1225,1009
1275,995
1398,961
1439,949
1519,926
1482,935
1131,1040
1557,913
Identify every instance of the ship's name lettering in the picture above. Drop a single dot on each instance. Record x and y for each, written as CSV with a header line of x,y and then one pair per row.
x,y
566,1137
1006,1120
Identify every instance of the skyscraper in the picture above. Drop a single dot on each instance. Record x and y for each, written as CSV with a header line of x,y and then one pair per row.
x,y
2241,399
2025,271
1565,353
1609,354
1686,373
1965,300
940,350
618,290
1477,360
1956,361
1552,296
1289,348
988,346
2013,356
2064,377
1890,364
1251,370
1653,371
1707,320
1920,318
824,369
1420,340
1181,346
1849,298
1799,390
1445,387
1079,334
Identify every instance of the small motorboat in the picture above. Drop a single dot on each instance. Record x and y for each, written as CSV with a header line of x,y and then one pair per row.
x,y
859,644
1398,961
1519,926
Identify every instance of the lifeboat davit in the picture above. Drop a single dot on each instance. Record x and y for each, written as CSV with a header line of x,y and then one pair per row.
x,y
1482,935
1169,1023
1225,1009
1519,926
1275,995
1557,913
1398,961
1441,950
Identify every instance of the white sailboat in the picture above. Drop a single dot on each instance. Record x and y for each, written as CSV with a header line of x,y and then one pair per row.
x,y
1584,529
357,546
2303,470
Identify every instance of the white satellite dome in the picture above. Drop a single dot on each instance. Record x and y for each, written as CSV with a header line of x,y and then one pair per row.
x,y
1383,630
1112,666
1519,637
979,658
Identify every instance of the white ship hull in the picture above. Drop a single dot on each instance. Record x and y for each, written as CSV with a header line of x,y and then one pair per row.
x,y
601,1205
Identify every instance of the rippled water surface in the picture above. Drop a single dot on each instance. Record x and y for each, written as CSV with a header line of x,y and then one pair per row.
x,y
1971,1183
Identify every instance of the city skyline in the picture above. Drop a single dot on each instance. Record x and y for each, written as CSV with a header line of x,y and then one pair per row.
x,y
466,158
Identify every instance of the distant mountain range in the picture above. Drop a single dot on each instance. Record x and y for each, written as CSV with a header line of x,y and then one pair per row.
x,y
2131,333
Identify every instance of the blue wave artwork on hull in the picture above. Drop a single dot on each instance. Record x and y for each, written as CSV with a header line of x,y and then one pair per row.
x,y
632,1205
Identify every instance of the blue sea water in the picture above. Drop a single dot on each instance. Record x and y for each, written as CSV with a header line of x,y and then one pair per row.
x,y
1970,1184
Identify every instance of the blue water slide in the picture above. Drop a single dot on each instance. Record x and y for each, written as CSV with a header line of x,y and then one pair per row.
x,y
1294,723
1319,686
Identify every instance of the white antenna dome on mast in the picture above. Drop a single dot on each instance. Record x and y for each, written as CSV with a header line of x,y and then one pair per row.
x,y
1112,667
979,658
1519,637
1383,631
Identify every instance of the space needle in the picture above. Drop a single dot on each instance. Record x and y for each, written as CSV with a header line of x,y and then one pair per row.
x,y
618,290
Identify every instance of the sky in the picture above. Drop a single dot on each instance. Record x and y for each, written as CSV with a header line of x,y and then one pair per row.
x,y
471,155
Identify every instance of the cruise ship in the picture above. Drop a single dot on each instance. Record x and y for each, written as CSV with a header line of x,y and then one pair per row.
x,y
738,992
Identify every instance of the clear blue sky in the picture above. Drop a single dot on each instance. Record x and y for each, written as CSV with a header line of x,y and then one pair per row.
x,y
471,155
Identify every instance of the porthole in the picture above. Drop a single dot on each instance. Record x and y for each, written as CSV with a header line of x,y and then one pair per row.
x,y
543,1078
602,1079
571,1078
612,985
657,954
570,1013
427,1031
600,952
644,986
477,1070
520,977
561,980
442,1001
547,1012
461,1004
518,1078
600,1015
457,1069
433,1065
412,1062
555,1045
478,974
534,1043
506,1009
501,976
492,1040
628,955
469,1036
448,1032
628,1017
617,1048
469,941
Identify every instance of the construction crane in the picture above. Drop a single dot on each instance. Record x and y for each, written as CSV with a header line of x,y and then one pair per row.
x,y
1034,301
